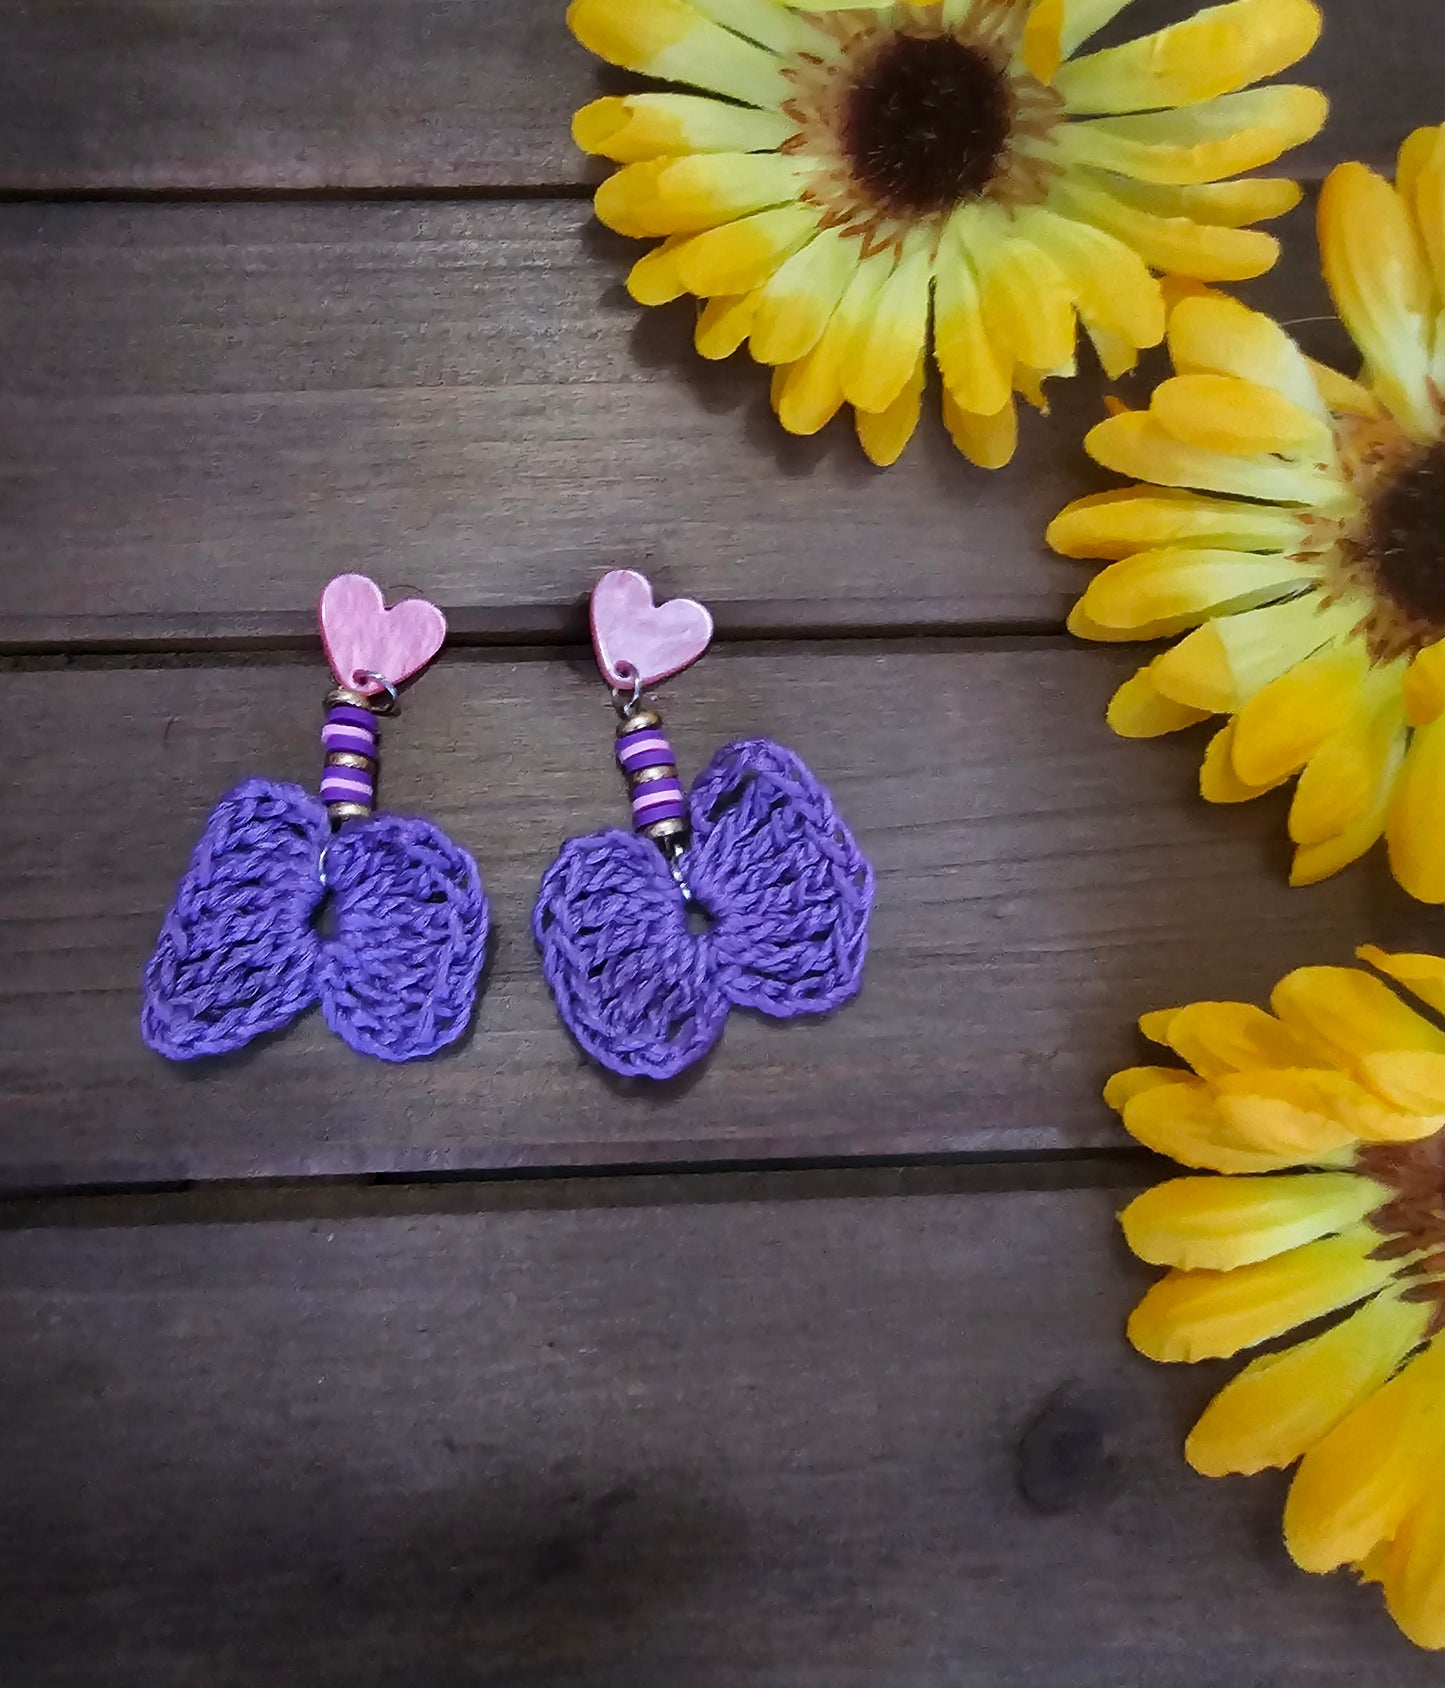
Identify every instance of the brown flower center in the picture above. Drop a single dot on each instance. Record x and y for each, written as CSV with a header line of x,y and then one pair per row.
x,y
926,126
907,120
1393,552
1413,1220
1407,539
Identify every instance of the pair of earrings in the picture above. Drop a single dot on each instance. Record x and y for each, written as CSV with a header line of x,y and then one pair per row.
x,y
747,892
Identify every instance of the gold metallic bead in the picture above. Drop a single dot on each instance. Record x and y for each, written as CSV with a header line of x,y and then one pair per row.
x,y
349,759
344,694
664,829
348,812
640,721
647,776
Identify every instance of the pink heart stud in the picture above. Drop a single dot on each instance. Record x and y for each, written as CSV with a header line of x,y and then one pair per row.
x,y
364,638
638,642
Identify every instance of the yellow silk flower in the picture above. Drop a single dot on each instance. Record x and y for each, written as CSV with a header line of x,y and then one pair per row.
x,y
1295,520
1320,1129
859,183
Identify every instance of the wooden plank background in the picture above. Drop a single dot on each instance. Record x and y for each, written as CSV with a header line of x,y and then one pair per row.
x,y
452,95
1040,884
820,1444
299,286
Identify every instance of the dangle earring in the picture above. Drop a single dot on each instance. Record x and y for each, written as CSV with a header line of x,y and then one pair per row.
x,y
749,892
240,952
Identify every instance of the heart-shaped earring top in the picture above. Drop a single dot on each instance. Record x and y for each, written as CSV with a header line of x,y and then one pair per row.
x,y
367,643
639,642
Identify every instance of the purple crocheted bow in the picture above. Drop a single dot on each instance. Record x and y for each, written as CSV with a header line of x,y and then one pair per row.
x,y
240,952
786,890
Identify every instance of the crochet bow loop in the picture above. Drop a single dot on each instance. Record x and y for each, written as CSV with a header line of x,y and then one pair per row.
x,y
237,953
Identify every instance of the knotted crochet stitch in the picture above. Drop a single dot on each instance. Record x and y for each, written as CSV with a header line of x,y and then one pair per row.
x,y
784,888
240,953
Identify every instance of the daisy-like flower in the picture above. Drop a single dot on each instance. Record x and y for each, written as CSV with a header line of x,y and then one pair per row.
x,y
1322,1129
859,183
1295,520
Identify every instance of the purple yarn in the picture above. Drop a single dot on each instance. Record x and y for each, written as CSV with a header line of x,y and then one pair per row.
x,y
239,953
399,977
787,891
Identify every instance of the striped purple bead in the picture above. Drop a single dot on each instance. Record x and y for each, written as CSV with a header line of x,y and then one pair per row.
x,y
348,785
659,805
349,730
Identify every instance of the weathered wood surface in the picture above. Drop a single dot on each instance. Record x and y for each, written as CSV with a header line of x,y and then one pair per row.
x,y
205,95
210,410
773,1443
207,411
1040,884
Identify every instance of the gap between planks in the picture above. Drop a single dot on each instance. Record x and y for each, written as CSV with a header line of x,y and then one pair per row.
x,y
263,1200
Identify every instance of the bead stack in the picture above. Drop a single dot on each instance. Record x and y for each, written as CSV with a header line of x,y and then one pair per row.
x,y
659,809
349,737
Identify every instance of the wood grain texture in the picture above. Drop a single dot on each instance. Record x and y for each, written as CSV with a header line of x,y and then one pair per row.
x,y
210,411
205,95
207,412
1040,885
777,1444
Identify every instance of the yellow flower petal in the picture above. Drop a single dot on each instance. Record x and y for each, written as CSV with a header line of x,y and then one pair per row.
x,y
1215,52
1424,686
1376,272
1216,1224
1175,245
1137,710
1028,307
1200,143
1342,394
1352,772
1111,285
1422,975
1191,1316
1417,814
724,323
653,279
1223,337
1056,28
1181,1120
1225,662
972,370
672,41
1137,445
884,433
739,256
1426,197
1240,418
1138,518
1285,722
886,352
769,24
1218,782
687,195
812,391
1280,1405
1134,1081
1183,585
1311,1112
1231,205
1228,1037
1368,1031
634,127
1356,1485
1414,1573
797,300
988,442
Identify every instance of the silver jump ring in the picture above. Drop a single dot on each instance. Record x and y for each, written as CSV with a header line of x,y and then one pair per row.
x,y
624,709
361,676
